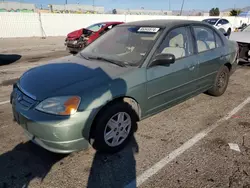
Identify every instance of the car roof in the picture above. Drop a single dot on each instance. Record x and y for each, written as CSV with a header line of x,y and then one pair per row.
x,y
108,23
212,19
160,23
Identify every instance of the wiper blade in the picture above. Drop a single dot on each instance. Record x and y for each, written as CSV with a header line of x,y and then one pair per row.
x,y
84,57
119,63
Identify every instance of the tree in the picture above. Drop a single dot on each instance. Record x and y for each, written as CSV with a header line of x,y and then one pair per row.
x,y
199,14
214,12
235,12
114,11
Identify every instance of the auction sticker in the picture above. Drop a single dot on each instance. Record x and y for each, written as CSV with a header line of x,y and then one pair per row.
x,y
148,29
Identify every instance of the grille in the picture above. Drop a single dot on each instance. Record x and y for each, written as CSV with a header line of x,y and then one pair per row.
x,y
25,101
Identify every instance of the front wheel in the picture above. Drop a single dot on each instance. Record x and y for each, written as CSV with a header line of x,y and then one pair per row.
x,y
114,127
220,83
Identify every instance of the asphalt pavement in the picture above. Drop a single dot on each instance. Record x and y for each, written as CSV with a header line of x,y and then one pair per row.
x,y
185,146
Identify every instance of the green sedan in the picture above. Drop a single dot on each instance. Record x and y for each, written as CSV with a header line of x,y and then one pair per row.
x,y
136,70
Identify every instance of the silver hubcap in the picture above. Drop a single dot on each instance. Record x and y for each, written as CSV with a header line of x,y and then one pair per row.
x,y
117,129
222,80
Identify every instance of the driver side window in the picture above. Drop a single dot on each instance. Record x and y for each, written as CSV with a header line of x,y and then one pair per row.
x,y
220,22
177,42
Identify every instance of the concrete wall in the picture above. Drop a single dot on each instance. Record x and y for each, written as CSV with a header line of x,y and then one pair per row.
x,y
76,7
46,24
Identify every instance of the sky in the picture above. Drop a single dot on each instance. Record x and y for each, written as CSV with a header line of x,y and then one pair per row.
x,y
150,4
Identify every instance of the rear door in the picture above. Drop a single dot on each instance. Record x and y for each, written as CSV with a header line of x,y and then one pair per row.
x,y
210,54
166,85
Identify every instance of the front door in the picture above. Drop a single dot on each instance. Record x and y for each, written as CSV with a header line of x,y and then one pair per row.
x,y
166,85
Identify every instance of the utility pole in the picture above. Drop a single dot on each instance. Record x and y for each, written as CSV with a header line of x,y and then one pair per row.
x,y
169,4
182,6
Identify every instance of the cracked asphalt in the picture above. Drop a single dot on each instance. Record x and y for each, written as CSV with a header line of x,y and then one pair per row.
x,y
209,163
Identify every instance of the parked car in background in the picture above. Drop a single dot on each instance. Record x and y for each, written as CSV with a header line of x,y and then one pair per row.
x,y
79,39
221,24
243,26
134,71
243,40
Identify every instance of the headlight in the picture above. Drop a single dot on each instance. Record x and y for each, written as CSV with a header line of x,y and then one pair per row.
x,y
66,105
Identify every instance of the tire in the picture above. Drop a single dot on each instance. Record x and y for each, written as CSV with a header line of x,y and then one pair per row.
x,y
220,83
102,127
229,32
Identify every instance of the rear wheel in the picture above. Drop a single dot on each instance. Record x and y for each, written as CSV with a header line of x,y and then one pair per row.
x,y
114,127
229,32
220,83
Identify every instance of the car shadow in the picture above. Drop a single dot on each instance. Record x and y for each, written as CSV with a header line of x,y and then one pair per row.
x,y
24,163
117,170
6,59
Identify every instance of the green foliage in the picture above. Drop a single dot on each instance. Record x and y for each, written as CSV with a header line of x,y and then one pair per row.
x,y
235,12
214,12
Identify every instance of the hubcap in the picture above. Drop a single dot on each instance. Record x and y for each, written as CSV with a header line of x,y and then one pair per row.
x,y
222,80
117,129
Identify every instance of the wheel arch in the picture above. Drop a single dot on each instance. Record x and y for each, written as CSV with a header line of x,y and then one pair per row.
x,y
229,66
130,100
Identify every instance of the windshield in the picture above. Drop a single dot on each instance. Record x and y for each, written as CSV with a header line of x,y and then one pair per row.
x,y
247,29
96,27
129,44
211,21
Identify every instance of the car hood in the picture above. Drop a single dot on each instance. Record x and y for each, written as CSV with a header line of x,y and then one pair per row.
x,y
72,72
76,34
243,37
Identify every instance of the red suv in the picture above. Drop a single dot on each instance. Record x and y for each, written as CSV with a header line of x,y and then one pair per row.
x,y
78,39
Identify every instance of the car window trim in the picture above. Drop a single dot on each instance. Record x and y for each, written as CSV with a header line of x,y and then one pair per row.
x,y
163,37
222,44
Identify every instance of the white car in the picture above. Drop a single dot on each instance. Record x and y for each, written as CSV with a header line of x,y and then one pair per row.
x,y
243,40
221,24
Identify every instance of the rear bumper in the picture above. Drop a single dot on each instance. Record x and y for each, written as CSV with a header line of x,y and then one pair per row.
x,y
244,52
234,66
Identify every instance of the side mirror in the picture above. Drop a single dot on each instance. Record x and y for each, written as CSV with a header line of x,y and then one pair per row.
x,y
163,59
219,24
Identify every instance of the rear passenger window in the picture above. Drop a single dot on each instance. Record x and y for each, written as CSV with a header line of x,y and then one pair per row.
x,y
177,42
204,38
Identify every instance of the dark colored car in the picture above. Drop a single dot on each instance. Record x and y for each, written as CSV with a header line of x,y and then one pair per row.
x,y
132,72
79,39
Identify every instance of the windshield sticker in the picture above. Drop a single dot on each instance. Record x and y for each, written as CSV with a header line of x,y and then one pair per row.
x,y
149,29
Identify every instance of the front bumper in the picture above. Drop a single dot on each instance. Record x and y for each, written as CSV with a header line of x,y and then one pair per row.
x,y
55,133
75,45
244,52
